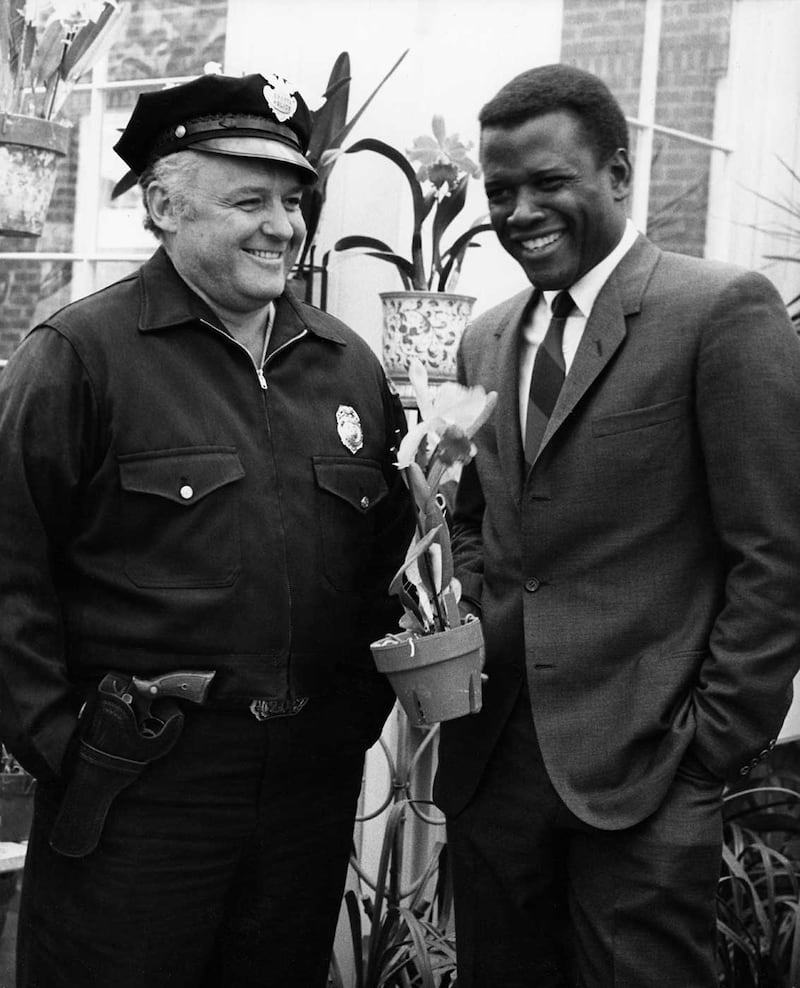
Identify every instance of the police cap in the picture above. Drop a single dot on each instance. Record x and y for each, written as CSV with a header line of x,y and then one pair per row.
x,y
251,116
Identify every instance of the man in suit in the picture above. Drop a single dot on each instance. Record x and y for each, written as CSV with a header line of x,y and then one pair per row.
x,y
629,533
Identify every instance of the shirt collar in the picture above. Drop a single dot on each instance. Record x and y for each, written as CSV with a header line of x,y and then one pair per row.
x,y
167,301
586,289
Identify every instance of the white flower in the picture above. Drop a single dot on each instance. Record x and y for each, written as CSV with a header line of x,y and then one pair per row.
x,y
449,418
75,13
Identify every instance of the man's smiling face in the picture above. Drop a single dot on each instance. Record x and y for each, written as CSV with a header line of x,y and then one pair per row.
x,y
554,207
238,239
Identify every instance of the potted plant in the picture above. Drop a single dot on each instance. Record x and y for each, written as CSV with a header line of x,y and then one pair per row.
x,y
434,663
45,46
330,128
758,900
427,318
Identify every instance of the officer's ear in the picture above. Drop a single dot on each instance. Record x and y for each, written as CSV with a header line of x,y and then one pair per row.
x,y
161,207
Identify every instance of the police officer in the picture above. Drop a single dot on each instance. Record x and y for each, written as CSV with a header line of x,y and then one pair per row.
x,y
199,518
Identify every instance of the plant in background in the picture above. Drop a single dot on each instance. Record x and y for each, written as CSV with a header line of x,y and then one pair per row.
x,y
787,232
402,945
758,901
432,452
329,130
438,193
46,46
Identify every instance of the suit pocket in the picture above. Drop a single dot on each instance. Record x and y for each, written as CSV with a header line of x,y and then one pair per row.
x,y
180,516
640,418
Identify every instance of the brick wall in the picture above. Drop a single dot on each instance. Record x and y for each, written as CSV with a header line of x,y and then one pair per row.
x,y
162,38
606,37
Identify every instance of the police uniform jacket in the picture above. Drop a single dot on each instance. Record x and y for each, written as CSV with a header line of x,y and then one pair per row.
x,y
165,505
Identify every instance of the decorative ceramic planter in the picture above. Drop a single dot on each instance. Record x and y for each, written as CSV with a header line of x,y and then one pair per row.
x,y
435,677
427,325
30,149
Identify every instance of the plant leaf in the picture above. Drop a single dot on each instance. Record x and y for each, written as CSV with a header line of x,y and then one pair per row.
x,y
417,198
449,207
342,136
454,255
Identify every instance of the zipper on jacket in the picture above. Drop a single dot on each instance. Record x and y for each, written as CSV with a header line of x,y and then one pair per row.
x,y
259,370
262,381
283,346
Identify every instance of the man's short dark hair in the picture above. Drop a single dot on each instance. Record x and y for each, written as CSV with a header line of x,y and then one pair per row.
x,y
550,88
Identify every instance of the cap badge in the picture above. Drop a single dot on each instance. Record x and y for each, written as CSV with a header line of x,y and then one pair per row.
x,y
279,98
348,425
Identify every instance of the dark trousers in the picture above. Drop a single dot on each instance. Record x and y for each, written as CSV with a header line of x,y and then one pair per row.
x,y
544,900
223,865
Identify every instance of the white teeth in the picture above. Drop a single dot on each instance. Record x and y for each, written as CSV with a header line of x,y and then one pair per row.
x,y
539,242
267,255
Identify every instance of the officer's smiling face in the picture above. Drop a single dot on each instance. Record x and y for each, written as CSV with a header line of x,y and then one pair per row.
x,y
237,239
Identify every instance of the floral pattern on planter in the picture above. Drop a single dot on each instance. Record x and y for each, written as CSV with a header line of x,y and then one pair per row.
x,y
425,325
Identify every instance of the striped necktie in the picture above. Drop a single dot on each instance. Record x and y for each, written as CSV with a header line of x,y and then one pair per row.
x,y
547,377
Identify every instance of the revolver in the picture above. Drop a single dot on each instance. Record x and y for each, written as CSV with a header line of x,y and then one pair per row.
x,y
142,694
128,723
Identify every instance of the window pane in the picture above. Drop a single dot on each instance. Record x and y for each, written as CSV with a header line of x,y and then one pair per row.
x,y
679,185
168,38
31,290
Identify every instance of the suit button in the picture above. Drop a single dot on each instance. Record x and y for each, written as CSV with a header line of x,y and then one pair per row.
x,y
744,770
532,584
186,492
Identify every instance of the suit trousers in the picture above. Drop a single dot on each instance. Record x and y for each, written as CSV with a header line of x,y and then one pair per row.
x,y
542,899
223,865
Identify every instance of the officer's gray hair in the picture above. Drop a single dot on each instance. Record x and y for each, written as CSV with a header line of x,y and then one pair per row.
x,y
177,175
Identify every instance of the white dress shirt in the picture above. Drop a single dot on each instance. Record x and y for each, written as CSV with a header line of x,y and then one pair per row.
x,y
584,294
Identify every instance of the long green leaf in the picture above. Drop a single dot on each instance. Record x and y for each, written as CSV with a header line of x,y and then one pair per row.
x,y
414,552
388,849
343,134
417,198
384,253
421,959
449,207
331,117
454,255
354,917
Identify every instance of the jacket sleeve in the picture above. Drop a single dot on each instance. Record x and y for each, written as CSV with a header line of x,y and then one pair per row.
x,y
748,413
46,415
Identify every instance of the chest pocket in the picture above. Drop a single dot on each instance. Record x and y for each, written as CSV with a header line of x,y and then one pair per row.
x,y
180,516
347,494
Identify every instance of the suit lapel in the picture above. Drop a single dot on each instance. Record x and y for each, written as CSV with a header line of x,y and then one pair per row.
x,y
506,414
606,328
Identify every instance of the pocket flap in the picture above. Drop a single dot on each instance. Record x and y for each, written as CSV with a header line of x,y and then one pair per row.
x,y
640,418
180,475
360,483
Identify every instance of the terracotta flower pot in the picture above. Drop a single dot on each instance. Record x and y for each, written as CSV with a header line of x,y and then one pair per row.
x,y
30,149
427,325
435,677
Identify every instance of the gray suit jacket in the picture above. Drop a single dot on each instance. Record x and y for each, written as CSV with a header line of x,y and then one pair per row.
x,y
644,573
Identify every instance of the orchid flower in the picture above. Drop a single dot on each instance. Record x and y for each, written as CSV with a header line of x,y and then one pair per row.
x,y
433,450
448,421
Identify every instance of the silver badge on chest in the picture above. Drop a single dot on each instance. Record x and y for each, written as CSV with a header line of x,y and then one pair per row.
x,y
348,425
